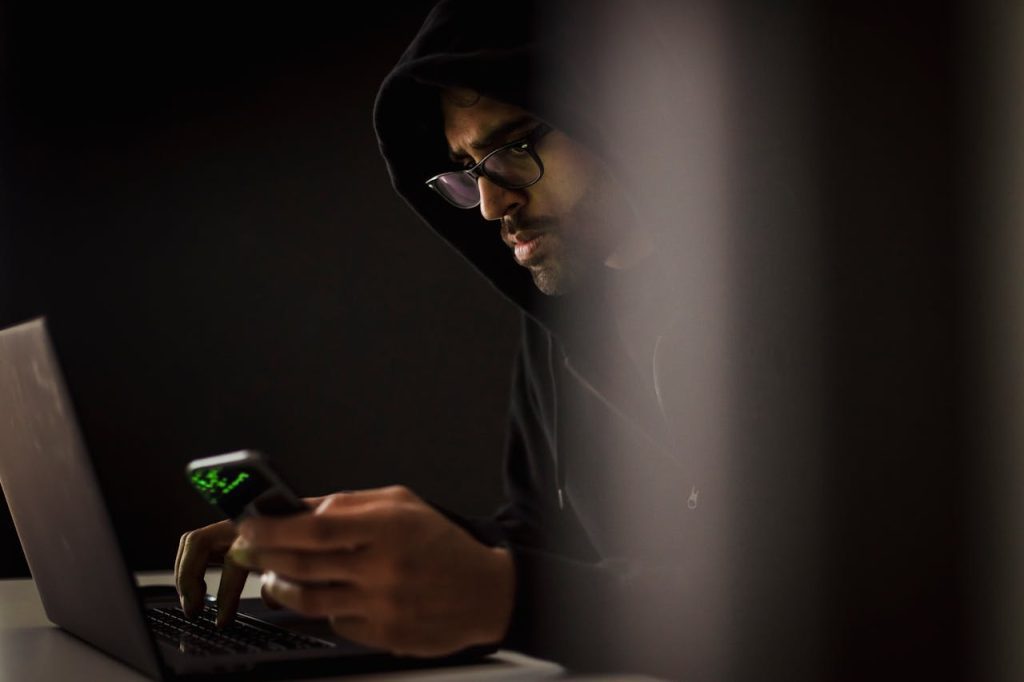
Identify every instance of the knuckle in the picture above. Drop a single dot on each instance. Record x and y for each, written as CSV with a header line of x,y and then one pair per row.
x,y
191,544
189,539
394,509
400,493
334,500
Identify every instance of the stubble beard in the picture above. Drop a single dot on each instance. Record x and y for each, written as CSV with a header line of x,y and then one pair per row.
x,y
560,272
557,272
578,248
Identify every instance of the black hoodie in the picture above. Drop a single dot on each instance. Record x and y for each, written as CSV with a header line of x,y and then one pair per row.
x,y
609,522
779,500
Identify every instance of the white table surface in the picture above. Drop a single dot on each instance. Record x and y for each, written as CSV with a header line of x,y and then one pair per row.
x,y
33,650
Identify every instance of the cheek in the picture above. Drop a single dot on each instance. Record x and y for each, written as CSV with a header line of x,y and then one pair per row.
x,y
568,187
569,177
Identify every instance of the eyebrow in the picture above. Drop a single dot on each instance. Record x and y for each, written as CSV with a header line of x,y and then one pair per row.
x,y
489,139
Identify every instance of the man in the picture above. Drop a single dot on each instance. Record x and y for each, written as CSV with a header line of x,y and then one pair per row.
x,y
585,563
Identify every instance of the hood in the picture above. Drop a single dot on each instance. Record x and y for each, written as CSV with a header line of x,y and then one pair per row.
x,y
540,56
472,44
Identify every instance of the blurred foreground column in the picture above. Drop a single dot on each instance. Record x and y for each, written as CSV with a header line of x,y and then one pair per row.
x,y
994,117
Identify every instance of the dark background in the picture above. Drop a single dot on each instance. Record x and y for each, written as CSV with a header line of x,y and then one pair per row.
x,y
195,198
197,201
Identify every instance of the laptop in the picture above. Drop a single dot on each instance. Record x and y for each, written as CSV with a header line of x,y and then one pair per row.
x,y
81,574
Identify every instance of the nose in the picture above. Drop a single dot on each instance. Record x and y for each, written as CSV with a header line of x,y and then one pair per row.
x,y
497,202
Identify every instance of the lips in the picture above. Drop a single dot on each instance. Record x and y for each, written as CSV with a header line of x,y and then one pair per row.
x,y
527,237
527,249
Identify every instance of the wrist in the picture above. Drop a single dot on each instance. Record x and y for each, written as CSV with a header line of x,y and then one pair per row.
x,y
499,596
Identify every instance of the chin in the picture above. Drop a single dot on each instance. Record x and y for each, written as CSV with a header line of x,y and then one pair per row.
x,y
551,281
548,289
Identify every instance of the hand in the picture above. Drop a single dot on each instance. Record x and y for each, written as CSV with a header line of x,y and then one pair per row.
x,y
387,570
197,550
211,546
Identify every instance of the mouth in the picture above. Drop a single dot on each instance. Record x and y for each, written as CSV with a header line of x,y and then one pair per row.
x,y
529,250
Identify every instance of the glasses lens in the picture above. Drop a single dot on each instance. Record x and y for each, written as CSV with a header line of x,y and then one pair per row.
x,y
513,167
458,188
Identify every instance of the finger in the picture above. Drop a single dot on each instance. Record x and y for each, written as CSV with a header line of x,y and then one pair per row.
x,y
268,600
316,601
334,566
177,556
195,551
232,582
334,525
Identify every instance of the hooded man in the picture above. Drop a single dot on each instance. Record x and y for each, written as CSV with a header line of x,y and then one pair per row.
x,y
606,555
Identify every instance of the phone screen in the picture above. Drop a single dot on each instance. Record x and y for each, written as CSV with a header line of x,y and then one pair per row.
x,y
244,489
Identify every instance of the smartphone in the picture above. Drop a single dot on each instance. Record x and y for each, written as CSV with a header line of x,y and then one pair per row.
x,y
243,484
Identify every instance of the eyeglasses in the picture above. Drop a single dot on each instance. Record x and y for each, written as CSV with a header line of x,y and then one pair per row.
x,y
512,166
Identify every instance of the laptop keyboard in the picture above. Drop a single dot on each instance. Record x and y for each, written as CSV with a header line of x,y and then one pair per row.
x,y
201,636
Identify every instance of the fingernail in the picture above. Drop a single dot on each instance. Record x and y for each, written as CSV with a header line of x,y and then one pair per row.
x,y
182,599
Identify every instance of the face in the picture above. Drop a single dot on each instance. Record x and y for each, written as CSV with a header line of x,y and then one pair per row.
x,y
570,222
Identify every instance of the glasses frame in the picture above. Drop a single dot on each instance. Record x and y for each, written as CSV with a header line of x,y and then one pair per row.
x,y
527,144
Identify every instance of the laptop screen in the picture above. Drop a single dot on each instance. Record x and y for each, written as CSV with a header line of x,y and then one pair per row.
x,y
57,506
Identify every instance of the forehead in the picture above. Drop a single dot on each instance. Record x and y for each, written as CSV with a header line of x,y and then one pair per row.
x,y
467,115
